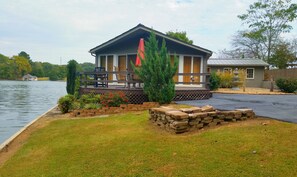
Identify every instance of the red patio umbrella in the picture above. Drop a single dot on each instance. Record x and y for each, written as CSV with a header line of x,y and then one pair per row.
x,y
140,52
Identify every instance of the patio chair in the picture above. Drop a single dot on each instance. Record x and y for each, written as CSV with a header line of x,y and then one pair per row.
x,y
121,78
136,80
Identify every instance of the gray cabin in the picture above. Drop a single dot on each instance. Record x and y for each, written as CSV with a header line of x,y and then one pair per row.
x,y
121,50
254,68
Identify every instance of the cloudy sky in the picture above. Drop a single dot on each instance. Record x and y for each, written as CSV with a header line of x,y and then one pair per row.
x,y
59,30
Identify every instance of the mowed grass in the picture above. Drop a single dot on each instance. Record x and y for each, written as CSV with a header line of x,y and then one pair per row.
x,y
128,145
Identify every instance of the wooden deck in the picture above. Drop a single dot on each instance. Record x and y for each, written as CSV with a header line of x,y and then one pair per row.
x,y
188,91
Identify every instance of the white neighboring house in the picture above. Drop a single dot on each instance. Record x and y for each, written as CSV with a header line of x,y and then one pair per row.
x,y
29,77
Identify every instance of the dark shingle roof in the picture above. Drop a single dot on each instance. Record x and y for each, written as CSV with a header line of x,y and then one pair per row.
x,y
236,62
142,27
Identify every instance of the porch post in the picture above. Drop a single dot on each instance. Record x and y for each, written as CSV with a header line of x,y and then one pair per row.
x,y
203,69
115,63
181,68
97,61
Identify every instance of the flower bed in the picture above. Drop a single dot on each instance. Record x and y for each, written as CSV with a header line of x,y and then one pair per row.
x,y
113,110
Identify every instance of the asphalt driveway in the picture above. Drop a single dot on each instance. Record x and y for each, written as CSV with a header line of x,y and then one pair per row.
x,y
281,107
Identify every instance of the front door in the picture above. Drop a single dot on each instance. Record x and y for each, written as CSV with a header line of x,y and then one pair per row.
x,y
187,68
110,66
196,68
175,77
122,66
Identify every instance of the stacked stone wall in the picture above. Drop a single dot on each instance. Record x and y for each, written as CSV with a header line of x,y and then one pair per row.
x,y
195,118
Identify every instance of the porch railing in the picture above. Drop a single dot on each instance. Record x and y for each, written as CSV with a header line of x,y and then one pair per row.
x,y
101,79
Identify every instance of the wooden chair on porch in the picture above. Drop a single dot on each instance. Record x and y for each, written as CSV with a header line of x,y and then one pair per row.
x,y
136,80
121,78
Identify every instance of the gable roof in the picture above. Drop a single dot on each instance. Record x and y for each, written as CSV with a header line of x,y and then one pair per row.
x,y
236,62
147,29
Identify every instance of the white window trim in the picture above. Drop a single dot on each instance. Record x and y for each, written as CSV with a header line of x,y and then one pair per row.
x,y
253,73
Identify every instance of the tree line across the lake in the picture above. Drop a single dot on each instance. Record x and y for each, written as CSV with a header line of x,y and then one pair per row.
x,y
15,67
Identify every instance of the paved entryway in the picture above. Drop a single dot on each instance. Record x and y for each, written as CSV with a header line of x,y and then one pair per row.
x,y
281,107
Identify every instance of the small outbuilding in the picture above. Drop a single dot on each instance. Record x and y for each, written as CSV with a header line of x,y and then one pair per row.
x,y
254,68
29,77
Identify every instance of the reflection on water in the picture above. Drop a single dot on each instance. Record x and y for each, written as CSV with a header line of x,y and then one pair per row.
x,y
23,101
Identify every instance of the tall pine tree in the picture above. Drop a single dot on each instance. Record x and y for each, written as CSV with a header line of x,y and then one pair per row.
x,y
157,72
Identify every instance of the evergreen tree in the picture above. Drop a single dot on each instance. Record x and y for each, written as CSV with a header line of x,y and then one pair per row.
x,y
157,72
71,76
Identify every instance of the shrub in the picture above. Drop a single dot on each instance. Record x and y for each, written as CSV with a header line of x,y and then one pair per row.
x,y
113,99
226,79
76,105
90,98
65,103
214,81
287,85
92,106
76,88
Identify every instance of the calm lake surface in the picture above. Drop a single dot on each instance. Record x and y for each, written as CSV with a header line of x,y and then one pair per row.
x,y
23,101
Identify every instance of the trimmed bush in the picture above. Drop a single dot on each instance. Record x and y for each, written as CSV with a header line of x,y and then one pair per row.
x,y
65,103
214,81
287,85
114,99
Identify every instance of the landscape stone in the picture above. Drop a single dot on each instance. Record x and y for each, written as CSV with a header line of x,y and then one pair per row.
x,y
196,109
189,119
207,108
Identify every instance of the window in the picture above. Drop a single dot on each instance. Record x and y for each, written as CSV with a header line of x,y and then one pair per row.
x,y
250,73
227,70
103,61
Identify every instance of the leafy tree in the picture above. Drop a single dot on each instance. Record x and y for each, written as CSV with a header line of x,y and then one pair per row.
x,y
21,65
25,55
157,72
86,66
37,69
71,76
247,45
267,20
6,68
282,56
182,35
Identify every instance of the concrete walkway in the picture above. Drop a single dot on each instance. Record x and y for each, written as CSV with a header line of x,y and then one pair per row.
x,y
281,107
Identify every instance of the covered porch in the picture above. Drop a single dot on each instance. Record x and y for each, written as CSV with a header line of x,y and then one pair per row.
x,y
99,83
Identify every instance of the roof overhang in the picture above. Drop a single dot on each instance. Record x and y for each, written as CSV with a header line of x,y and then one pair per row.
x,y
146,29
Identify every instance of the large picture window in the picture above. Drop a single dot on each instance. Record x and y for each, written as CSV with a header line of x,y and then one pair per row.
x,y
250,73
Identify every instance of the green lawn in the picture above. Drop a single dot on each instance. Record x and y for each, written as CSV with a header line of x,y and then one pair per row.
x,y
127,145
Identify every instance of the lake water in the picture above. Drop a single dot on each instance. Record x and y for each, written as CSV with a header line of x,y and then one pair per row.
x,y
23,101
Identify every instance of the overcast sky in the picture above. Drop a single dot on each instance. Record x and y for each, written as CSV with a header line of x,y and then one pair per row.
x,y
59,30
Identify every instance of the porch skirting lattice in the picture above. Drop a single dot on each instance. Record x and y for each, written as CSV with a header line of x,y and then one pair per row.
x,y
137,96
